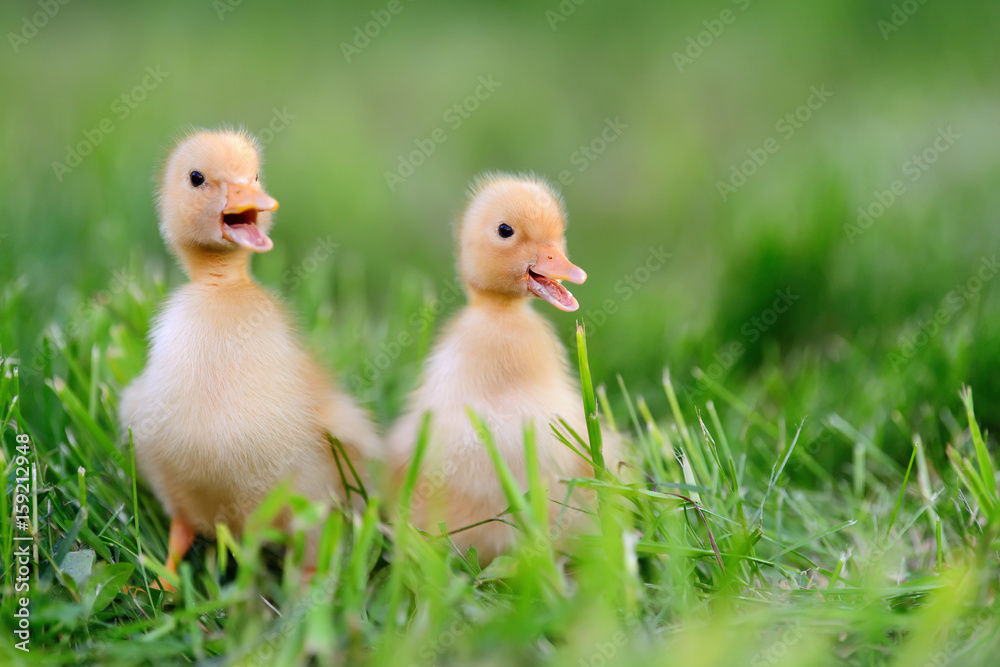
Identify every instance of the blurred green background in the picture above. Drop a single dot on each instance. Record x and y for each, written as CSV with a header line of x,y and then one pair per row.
x,y
84,244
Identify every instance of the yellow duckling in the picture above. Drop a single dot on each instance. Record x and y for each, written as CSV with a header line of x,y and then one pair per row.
x,y
229,404
501,359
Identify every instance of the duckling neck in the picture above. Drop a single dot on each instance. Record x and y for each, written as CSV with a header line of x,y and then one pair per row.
x,y
493,301
214,267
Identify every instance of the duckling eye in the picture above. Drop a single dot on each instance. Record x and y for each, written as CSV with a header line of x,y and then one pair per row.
x,y
197,178
505,231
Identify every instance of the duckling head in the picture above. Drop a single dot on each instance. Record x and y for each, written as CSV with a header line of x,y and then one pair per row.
x,y
211,200
512,241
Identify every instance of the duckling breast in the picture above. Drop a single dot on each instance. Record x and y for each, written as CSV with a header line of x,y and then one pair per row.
x,y
223,407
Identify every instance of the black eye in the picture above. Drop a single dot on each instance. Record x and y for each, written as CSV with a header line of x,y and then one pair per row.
x,y
505,231
197,178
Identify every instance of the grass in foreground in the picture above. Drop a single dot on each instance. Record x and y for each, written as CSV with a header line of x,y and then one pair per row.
x,y
731,545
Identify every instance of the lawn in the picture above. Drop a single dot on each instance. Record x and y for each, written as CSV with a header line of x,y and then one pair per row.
x,y
788,214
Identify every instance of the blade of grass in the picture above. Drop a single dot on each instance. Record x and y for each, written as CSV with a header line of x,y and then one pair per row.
x,y
538,495
986,470
135,515
775,474
590,405
609,415
693,453
510,487
902,491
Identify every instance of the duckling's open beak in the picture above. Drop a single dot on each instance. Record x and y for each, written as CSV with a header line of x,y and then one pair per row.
x,y
239,217
544,275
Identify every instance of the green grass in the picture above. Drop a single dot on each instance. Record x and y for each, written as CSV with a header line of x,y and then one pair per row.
x,y
816,487
716,553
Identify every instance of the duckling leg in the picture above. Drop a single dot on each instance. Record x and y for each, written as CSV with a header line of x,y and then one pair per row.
x,y
181,539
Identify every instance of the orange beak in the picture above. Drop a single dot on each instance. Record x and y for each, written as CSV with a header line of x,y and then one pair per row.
x,y
241,197
554,264
239,217
544,275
